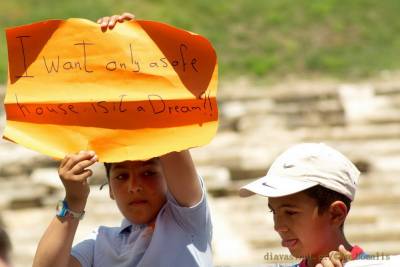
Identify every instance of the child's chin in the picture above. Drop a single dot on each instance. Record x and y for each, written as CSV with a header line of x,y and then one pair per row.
x,y
295,252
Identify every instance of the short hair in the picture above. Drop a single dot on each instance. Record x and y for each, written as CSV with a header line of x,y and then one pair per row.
x,y
325,197
108,168
5,243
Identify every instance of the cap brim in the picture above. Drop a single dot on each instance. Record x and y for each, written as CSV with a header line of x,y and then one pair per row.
x,y
268,186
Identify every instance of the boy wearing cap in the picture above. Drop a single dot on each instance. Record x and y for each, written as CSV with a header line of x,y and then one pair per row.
x,y
310,188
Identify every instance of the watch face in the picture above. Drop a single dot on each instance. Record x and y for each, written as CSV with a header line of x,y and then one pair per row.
x,y
60,208
63,211
59,205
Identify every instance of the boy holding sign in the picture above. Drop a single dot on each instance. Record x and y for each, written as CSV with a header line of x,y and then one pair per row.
x,y
163,201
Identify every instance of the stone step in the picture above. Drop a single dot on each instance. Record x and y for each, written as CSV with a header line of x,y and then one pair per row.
x,y
237,109
261,123
378,197
286,92
375,179
313,119
388,212
368,150
358,133
387,90
322,107
304,98
373,234
385,247
306,113
388,115
215,178
392,100
17,160
227,157
300,106
20,193
387,163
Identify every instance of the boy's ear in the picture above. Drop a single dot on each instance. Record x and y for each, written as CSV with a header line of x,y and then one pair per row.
x,y
338,212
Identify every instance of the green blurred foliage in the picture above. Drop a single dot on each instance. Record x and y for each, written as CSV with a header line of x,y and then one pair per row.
x,y
258,38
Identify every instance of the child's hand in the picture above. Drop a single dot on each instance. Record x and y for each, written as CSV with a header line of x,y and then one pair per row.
x,y
336,258
74,175
109,22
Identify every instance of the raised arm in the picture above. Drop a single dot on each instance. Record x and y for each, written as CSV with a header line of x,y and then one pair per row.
x,y
179,170
182,179
54,248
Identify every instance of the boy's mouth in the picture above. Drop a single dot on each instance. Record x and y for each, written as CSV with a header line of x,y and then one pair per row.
x,y
137,202
289,243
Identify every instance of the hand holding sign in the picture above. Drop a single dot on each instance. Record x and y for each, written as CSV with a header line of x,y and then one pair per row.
x,y
138,91
110,22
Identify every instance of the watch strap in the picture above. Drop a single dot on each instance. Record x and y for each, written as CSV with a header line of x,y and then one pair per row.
x,y
64,211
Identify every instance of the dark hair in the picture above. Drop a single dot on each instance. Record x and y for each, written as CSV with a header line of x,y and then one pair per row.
x,y
5,243
108,168
325,197
108,165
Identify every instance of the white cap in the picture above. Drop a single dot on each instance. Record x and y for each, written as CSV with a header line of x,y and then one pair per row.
x,y
303,166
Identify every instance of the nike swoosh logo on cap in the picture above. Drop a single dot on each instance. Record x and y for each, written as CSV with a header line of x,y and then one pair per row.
x,y
267,185
287,166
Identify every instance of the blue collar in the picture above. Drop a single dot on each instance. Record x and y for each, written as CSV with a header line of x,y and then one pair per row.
x,y
128,227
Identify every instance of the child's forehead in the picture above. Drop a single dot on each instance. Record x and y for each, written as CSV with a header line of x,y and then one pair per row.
x,y
128,164
295,200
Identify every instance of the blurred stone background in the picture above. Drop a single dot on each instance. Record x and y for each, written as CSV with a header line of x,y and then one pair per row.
x,y
362,120
318,71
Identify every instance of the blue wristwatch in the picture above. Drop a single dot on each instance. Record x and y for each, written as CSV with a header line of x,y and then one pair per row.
x,y
63,211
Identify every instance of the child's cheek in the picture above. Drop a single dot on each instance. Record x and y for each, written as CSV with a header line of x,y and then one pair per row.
x,y
154,186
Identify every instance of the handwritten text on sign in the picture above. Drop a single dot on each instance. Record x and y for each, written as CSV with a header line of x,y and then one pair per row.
x,y
82,65
120,87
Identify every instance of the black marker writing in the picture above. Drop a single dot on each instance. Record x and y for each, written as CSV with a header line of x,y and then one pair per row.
x,y
24,57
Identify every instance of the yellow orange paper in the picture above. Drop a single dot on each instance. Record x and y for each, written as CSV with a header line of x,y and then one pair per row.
x,y
138,91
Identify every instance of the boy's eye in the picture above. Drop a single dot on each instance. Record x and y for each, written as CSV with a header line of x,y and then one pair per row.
x,y
149,173
122,176
270,210
290,213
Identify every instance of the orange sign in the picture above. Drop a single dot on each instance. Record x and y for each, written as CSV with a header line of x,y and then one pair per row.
x,y
138,91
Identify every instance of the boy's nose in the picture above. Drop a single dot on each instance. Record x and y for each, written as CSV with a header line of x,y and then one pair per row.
x,y
134,186
279,225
